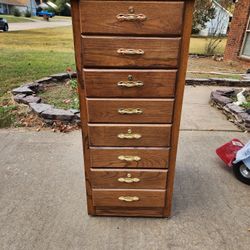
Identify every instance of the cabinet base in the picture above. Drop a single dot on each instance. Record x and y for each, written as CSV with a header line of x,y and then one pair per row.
x,y
130,212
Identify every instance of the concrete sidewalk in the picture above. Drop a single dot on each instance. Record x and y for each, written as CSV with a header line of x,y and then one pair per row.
x,y
38,25
43,204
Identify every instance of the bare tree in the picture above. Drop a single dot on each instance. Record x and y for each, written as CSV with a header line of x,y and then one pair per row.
x,y
216,30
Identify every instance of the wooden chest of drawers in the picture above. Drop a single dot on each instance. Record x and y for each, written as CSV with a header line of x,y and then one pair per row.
x,y
131,59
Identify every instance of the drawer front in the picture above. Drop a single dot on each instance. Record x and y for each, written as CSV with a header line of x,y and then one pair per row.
x,y
130,83
129,158
129,135
128,198
125,52
130,110
147,179
130,211
131,17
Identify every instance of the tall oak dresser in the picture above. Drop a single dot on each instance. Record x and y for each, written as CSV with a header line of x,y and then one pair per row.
x,y
131,59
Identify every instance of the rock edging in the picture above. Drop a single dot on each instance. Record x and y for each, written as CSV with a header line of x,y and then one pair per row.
x,y
236,114
26,94
218,81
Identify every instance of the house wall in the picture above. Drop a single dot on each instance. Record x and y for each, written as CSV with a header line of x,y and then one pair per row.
x,y
218,25
7,8
22,9
237,32
32,7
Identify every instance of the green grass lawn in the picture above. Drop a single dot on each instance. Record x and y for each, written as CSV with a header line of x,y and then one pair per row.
x,y
53,19
198,45
29,55
66,95
14,19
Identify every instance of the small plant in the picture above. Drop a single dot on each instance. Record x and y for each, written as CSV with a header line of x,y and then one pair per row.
x,y
27,13
16,12
6,116
73,84
245,105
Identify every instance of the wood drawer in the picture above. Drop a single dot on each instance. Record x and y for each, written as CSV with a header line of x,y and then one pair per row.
x,y
161,18
150,135
129,157
130,211
127,178
112,197
130,110
149,52
129,83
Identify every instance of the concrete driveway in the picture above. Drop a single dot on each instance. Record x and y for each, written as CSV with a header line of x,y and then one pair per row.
x,y
38,25
43,204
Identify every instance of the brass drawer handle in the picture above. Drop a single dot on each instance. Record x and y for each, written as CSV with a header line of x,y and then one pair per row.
x,y
129,135
131,17
130,84
123,51
128,179
129,158
128,198
130,111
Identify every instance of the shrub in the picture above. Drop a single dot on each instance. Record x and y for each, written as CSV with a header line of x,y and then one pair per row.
x,y
16,12
27,13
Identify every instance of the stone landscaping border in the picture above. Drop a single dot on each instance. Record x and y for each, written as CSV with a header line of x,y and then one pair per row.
x,y
236,114
218,81
26,94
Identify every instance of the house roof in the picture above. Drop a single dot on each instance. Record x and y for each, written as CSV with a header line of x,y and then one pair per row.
x,y
15,2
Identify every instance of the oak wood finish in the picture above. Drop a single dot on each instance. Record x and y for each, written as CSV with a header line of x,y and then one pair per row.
x,y
130,211
112,178
161,44
151,135
107,157
83,109
103,83
162,18
189,4
101,51
110,197
152,111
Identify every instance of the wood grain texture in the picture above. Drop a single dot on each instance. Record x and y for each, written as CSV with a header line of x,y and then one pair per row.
x,y
151,136
162,18
130,211
101,51
103,83
178,102
107,110
109,178
83,109
150,158
110,198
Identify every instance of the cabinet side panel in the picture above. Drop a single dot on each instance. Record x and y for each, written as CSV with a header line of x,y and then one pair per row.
x,y
178,101
81,90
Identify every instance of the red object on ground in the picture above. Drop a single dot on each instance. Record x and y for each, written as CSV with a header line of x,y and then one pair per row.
x,y
227,152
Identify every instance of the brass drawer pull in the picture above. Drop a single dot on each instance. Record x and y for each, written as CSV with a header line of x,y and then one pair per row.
x,y
129,158
130,84
123,51
129,135
131,17
130,111
128,179
129,198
